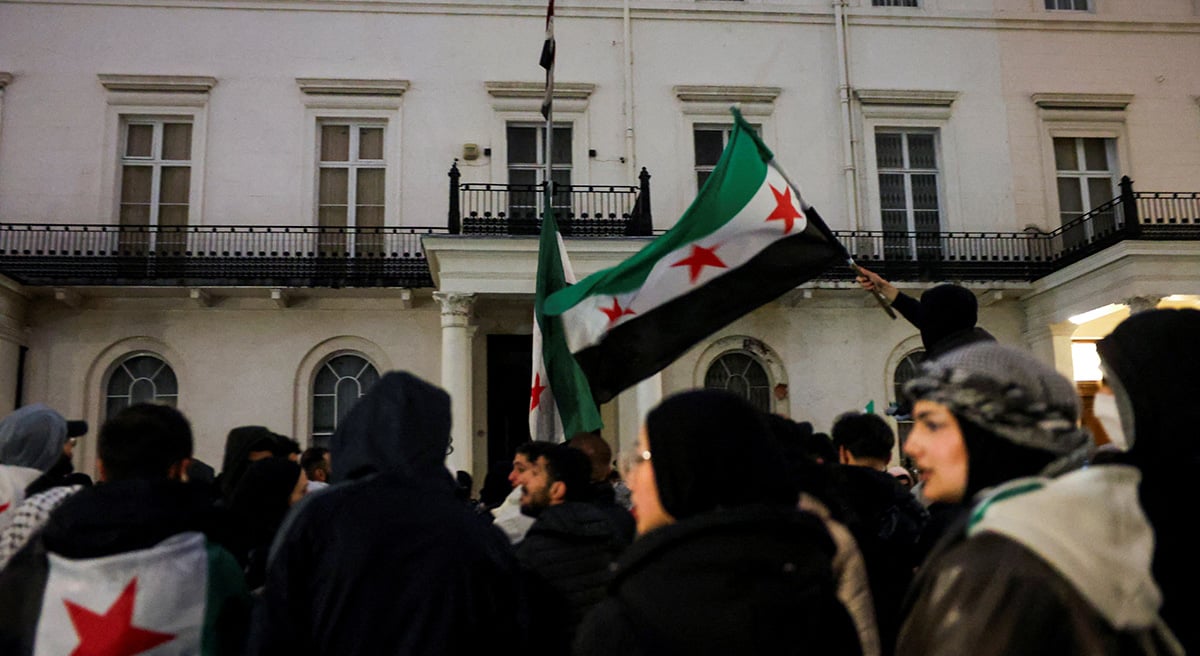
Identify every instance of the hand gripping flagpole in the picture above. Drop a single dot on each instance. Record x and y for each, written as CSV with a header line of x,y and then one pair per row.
x,y
828,234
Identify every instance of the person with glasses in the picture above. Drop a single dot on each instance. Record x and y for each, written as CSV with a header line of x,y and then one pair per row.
x,y
724,563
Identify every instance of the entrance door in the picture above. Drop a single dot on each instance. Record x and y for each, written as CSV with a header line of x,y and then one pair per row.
x,y
509,369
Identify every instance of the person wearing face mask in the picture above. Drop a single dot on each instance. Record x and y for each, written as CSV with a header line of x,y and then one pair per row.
x,y
1039,561
1150,361
723,562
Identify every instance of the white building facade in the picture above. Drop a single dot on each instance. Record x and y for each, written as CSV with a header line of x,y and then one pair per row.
x,y
243,208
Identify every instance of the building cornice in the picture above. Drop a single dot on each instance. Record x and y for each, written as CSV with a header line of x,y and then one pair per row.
x,y
158,83
929,98
352,87
726,94
1103,101
562,90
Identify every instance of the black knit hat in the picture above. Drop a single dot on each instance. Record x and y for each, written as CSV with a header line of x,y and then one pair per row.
x,y
710,450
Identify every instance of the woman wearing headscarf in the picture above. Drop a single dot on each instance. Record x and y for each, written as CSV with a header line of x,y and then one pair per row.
x,y
33,439
724,563
1150,362
1035,564
268,488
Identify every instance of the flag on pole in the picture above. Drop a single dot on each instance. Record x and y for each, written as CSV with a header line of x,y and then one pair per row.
x,y
547,61
560,401
168,599
747,238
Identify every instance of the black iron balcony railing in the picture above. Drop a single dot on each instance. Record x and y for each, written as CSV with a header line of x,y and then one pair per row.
x,y
580,210
59,255
42,254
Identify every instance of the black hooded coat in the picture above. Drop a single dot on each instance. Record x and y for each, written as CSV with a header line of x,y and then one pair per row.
x,y
1155,356
946,317
388,560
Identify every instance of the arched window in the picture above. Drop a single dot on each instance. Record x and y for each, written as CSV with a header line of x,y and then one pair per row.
x,y
338,385
140,378
906,370
743,375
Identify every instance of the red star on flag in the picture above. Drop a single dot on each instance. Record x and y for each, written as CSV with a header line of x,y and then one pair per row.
x,y
700,258
535,394
616,311
113,633
784,209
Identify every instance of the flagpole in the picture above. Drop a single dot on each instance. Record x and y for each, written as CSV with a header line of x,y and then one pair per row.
x,y
820,225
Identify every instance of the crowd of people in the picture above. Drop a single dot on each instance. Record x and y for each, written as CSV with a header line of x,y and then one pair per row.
x,y
723,530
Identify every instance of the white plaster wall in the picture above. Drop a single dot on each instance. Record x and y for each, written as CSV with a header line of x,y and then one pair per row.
x,y
236,362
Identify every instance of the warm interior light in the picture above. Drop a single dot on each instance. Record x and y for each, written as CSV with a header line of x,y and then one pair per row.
x,y
1081,319
1086,361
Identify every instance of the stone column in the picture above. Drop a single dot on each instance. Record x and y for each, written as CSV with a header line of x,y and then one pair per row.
x,y
1052,345
456,374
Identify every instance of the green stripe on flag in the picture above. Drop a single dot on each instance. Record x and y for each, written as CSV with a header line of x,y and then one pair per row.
x,y
568,385
735,179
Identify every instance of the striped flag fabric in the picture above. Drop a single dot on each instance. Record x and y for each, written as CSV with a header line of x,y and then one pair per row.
x,y
747,238
547,61
164,600
560,401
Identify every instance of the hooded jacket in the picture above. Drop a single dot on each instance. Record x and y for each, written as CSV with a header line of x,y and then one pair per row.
x,y
1031,574
1152,358
31,442
387,560
946,317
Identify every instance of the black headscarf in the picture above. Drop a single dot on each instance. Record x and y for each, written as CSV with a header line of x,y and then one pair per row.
x,y
992,460
710,450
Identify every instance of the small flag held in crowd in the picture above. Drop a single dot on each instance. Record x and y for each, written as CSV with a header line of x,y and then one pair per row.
x,y
747,238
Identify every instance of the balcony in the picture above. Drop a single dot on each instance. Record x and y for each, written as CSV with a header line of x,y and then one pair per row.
x,y
290,256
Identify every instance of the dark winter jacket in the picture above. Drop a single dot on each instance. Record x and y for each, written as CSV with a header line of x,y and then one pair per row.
x,y
1153,357
886,521
570,550
749,580
388,560
946,317
116,518
1042,567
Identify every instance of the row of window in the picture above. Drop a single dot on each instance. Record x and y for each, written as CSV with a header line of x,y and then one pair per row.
x,y
351,171
338,383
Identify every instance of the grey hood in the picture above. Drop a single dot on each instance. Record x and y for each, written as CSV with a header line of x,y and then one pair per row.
x,y
401,426
1088,526
33,437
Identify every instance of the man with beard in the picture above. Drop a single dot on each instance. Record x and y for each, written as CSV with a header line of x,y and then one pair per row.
x,y
568,549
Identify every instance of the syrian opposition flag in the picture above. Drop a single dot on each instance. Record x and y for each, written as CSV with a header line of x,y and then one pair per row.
x,y
746,239
560,402
547,61
155,601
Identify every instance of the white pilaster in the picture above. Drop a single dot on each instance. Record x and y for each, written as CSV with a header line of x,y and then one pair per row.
x,y
456,374
1052,345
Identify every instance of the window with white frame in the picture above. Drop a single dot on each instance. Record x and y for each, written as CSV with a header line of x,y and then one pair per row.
x,y
351,186
1086,173
338,384
741,374
140,378
1068,5
709,142
527,168
910,211
155,182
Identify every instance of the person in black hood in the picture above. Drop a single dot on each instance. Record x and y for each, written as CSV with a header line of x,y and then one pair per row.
x,y
244,445
257,509
387,560
945,315
724,563
1150,361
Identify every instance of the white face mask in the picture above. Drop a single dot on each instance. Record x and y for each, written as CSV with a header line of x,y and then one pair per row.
x,y
1105,408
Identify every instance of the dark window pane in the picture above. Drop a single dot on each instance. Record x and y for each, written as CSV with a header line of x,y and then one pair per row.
x,y
522,145
143,366
1095,154
325,382
115,404
1100,191
324,415
136,184
142,391
139,141
924,192
709,144
921,153
370,143
335,143
889,152
1065,157
701,178
177,141
348,391
333,187
175,184
370,187
891,192
1070,199
562,146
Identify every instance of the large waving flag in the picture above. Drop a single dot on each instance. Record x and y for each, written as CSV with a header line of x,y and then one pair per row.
x,y
746,239
560,402
166,600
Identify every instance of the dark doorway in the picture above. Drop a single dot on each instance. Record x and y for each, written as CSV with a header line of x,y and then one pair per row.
x,y
509,369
